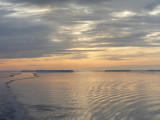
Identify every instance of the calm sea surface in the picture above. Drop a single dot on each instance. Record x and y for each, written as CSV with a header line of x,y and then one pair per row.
x,y
89,95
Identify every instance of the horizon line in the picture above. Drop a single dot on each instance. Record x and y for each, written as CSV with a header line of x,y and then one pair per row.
x,y
61,70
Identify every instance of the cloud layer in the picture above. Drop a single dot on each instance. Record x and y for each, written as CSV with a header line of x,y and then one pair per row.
x,y
77,29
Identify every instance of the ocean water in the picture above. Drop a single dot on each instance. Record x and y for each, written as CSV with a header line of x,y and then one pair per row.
x,y
80,96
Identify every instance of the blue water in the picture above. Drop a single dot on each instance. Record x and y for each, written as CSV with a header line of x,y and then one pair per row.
x,y
81,96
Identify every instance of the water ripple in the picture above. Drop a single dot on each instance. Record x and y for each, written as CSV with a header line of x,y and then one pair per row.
x,y
93,96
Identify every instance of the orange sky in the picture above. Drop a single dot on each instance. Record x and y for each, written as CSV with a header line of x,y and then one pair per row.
x,y
79,64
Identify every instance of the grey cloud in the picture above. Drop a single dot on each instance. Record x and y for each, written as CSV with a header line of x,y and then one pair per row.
x,y
58,2
92,1
21,37
127,4
136,5
153,4
27,42
41,2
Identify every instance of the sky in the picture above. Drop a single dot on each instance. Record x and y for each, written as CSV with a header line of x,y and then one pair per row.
x,y
79,34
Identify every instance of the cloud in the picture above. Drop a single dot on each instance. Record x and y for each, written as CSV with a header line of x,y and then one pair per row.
x,y
152,5
37,28
123,14
58,2
155,11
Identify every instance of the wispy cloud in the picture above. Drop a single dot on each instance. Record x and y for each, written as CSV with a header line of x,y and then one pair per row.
x,y
37,28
